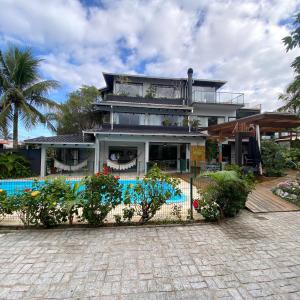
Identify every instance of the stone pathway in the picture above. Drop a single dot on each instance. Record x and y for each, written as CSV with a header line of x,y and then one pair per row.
x,y
248,257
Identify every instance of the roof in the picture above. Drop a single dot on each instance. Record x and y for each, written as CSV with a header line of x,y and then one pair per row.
x,y
268,122
5,142
109,79
145,130
62,139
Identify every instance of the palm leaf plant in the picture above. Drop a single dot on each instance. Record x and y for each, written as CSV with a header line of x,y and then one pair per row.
x,y
23,96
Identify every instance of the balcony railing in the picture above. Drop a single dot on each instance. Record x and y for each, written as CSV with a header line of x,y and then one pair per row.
x,y
218,97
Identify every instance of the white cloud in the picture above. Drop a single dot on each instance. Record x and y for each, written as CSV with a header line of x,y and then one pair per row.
x,y
238,41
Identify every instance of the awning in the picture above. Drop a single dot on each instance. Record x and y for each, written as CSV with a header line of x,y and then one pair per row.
x,y
268,122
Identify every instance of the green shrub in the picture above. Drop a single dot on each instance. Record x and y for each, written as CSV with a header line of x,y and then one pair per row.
x,y
273,158
49,203
13,166
5,205
150,193
228,190
102,193
26,205
208,209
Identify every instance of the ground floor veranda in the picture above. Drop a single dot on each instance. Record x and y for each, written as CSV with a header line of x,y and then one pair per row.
x,y
130,155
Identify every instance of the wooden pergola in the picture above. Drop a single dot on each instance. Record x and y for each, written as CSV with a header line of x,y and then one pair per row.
x,y
269,122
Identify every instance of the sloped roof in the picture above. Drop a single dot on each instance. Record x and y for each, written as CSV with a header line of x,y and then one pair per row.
x,y
62,139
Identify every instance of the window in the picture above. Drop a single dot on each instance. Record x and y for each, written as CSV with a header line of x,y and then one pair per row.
x,y
164,91
204,94
212,121
129,89
129,119
163,120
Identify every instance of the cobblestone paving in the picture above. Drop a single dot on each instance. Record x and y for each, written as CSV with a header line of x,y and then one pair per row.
x,y
248,257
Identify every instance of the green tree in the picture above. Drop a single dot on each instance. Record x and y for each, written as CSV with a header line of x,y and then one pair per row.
x,y
23,96
77,113
291,97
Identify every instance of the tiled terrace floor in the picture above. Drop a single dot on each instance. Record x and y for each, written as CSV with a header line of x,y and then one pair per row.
x,y
248,257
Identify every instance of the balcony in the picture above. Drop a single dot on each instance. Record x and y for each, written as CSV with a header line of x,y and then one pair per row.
x,y
218,97
144,100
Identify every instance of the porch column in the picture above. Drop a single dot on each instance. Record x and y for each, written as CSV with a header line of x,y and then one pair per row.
x,y
43,161
97,156
178,158
188,156
146,155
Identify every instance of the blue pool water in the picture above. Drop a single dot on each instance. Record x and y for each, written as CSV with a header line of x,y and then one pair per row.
x,y
15,186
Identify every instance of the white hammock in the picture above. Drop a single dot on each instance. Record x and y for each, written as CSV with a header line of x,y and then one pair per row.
x,y
61,166
121,166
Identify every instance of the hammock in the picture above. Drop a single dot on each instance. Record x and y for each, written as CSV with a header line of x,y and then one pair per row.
x,y
121,166
61,166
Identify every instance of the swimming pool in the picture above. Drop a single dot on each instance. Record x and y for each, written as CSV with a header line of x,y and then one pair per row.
x,y
15,186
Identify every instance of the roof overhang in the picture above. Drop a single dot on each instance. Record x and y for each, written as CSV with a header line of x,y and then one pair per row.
x,y
268,122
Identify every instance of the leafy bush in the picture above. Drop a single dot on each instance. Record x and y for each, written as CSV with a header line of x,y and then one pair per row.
x,y
273,158
49,203
228,190
150,193
5,206
26,205
102,193
13,166
208,209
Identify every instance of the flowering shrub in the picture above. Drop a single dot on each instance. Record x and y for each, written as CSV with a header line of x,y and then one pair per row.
x,y
102,193
227,190
150,193
5,207
208,209
289,190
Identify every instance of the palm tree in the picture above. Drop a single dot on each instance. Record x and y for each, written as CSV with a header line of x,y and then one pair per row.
x,y
292,97
23,96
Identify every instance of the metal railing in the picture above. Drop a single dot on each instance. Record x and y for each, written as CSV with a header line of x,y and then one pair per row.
x,y
218,97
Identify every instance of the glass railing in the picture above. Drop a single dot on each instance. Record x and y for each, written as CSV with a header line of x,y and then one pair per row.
x,y
218,97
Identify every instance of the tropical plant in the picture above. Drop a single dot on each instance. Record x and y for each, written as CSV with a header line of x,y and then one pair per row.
x,y
292,96
150,193
166,122
5,205
273,159
77,113
228,190
151,92
102,193
49,203
13,166
22,94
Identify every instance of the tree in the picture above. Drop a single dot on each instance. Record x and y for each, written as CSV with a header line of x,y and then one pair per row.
x,y
292,95
77,113
23,96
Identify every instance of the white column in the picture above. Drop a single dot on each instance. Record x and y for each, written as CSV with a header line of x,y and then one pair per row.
x,y
188,155
43,161
146,155
178,158
97,156
111,116
259,147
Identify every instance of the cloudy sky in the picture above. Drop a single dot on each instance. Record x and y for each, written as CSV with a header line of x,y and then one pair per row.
x,y
237,41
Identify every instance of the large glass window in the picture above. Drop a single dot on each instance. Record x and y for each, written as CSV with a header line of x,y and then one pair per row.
x,y
164,91
129,119
204,94
165,120
129,89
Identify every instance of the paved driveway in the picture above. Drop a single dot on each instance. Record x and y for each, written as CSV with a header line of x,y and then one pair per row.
x,y
247,257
